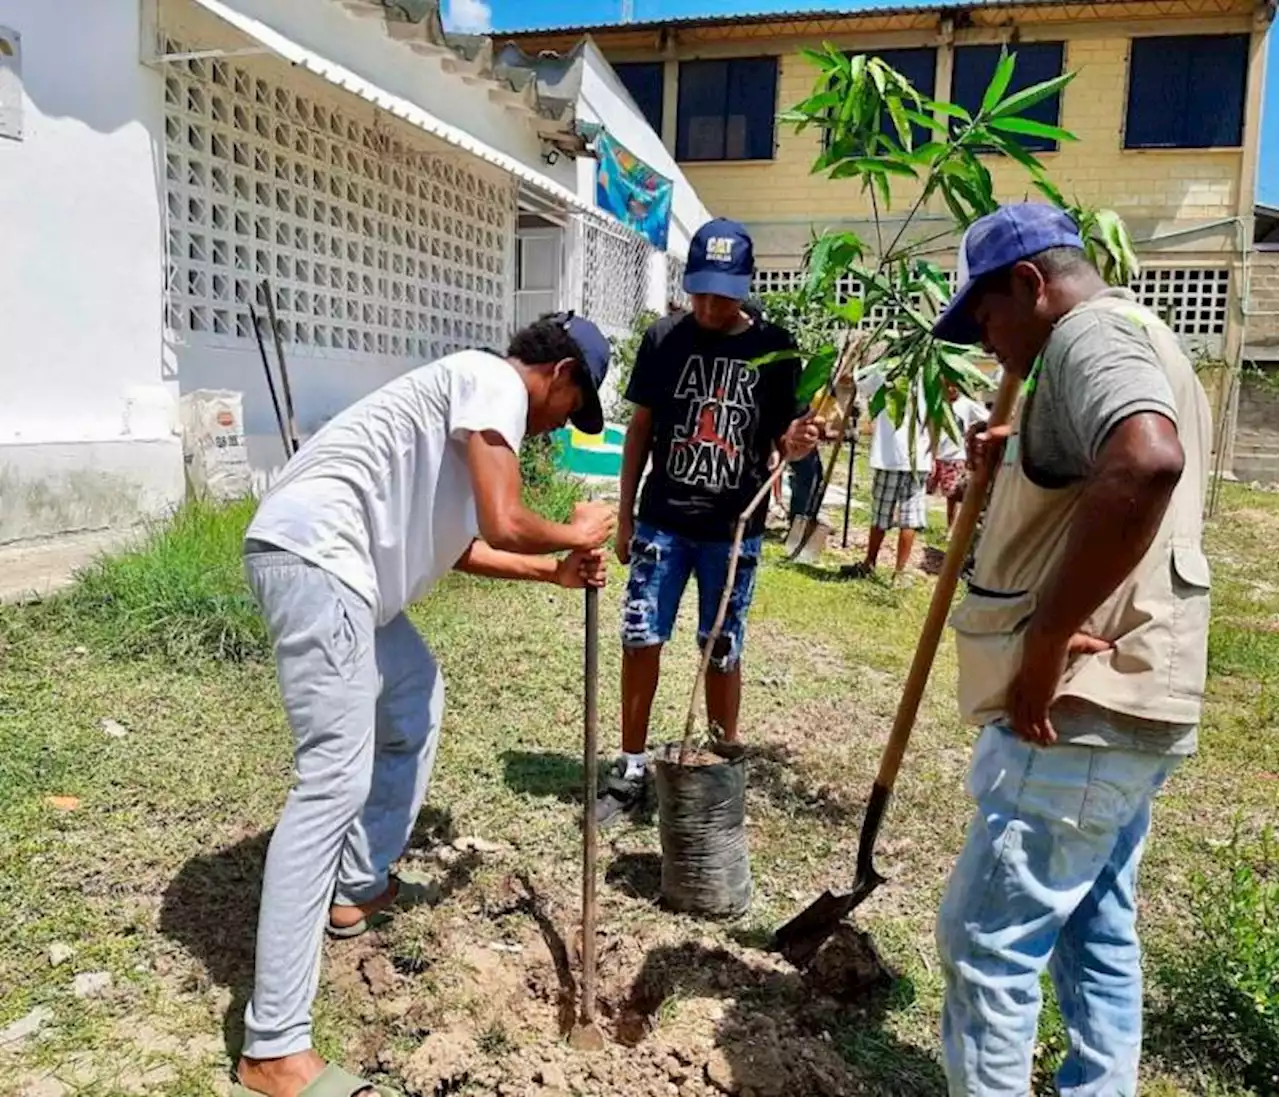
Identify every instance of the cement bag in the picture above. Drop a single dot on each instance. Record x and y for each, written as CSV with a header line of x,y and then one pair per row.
x,y
702,824
213,449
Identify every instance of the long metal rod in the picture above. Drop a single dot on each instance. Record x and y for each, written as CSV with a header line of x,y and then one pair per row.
x,y
591,726
848,492
256,320
284,370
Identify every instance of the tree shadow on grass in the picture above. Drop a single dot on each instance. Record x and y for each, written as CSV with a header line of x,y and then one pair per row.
x,y
780,1033
637,874
210,908
543,773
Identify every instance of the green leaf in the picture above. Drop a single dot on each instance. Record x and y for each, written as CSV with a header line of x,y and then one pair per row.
x,y
1049,191
896,403
816,375
900,123
926,121
928,152
789,354
949,109
1015,151
1031,128
1019,101
819,58
849,311
882,164
876,404
1110,228
999,81
876,69
829,257
958,368
882,185
822,102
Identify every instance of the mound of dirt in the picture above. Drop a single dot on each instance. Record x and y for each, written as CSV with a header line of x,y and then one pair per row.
x,y
847,966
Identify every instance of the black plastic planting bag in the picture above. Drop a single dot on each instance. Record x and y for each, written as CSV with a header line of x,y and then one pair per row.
x,y
702,823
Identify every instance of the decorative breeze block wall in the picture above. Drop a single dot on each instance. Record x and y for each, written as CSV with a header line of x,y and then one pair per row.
x,y
1194,299
375,244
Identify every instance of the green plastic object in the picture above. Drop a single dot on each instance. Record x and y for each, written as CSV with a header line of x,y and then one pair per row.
x,y
588,455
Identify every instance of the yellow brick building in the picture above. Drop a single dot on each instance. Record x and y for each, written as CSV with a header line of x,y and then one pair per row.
x,y
1190,209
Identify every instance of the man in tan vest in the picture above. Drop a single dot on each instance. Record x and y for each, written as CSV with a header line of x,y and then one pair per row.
x,y
1081,644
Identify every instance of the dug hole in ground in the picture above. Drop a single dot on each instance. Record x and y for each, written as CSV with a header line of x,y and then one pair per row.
x,y
727,1040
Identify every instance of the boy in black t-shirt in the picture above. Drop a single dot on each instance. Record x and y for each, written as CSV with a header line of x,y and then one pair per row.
x,y
711,420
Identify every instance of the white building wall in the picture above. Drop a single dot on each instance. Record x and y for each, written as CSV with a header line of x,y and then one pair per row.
x,y
459,191
385,248
88,410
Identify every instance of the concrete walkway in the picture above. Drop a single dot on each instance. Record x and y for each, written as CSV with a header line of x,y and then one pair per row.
x,y
29,570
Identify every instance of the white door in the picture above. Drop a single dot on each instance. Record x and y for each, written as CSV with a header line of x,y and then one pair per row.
x,y
537,273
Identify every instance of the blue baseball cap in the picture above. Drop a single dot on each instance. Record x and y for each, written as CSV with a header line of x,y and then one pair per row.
x,y
991,243
721,260
595,356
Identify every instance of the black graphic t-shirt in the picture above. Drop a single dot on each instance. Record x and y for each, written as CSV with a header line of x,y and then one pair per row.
x,y
716,419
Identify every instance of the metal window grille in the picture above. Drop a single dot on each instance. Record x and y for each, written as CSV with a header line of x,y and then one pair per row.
x,y
372,245
787,280
675,281
1193,300
615,273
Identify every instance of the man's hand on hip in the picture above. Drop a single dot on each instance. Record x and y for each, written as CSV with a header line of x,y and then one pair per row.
x,y
1034,686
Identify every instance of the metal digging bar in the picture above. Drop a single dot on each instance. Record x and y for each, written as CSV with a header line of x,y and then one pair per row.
x,y
285,389
586,1034
845,364
256,320
800,939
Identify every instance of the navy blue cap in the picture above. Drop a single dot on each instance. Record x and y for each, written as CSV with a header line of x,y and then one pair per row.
x,y
996,241
721,260
595,355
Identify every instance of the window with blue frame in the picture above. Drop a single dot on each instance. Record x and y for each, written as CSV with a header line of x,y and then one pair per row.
x,y
1036,62
1186,92
725,109
919,66
644,81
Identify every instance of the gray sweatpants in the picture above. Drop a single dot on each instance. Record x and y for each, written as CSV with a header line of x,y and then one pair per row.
x,y
365,705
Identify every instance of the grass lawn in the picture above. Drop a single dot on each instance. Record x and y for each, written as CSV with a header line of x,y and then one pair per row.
x,y
172,769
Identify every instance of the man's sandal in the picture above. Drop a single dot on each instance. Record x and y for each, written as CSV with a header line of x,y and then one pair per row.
x,y
333,1081
411,891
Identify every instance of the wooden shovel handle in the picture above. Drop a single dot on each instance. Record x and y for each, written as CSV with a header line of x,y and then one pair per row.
x,y
975,498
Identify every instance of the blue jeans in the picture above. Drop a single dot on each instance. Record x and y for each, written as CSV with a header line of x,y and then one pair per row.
x,y
806,480
661,564
1047,879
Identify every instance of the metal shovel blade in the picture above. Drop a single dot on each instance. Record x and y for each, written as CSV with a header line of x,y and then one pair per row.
x,y
799,939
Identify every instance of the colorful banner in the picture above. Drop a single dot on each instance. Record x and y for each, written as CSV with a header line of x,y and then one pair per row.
x,y
632,191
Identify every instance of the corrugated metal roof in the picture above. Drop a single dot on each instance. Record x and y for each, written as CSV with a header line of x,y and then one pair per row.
x,y
797,15
349,81
420,25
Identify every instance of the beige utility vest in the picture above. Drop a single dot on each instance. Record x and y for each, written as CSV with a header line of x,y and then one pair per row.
x,y
1158,618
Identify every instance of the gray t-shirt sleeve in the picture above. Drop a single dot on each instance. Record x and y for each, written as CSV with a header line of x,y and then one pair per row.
x,y
1099,368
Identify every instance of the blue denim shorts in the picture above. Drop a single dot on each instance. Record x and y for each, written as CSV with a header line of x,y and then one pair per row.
x,y
661,564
